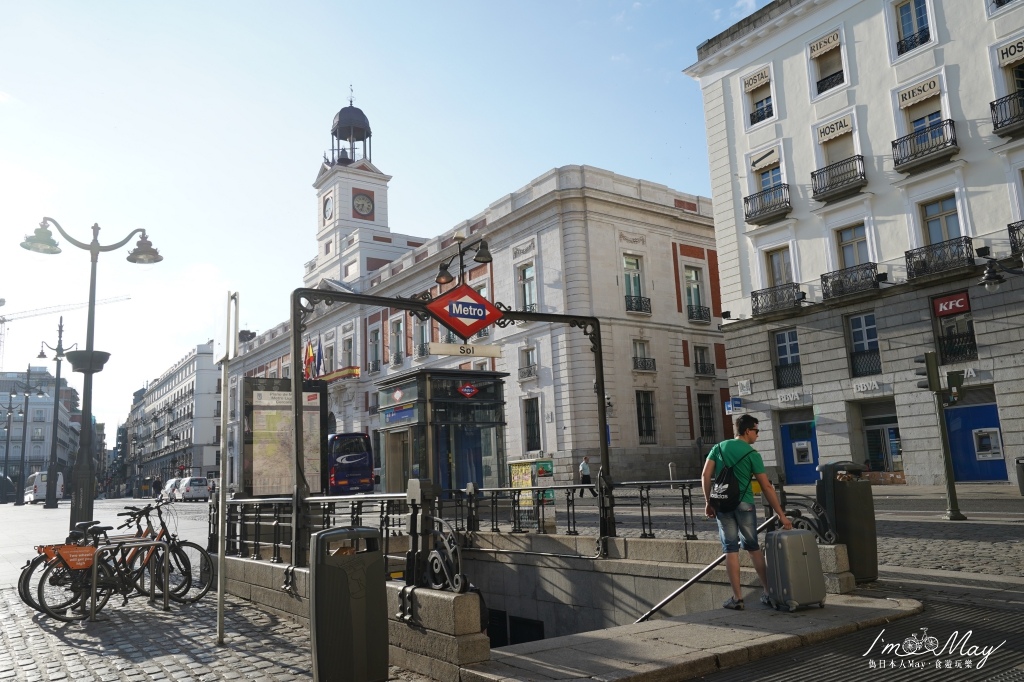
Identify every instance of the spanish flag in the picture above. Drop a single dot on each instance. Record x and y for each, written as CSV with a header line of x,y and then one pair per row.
x,y
309,362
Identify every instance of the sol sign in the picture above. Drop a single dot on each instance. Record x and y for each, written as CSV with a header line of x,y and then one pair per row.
x,y
954,304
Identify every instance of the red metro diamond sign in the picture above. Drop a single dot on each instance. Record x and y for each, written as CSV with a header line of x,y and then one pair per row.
x,y
464,311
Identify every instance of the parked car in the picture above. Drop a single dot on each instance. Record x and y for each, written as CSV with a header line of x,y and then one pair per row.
x,y
192,488
168,492
35,487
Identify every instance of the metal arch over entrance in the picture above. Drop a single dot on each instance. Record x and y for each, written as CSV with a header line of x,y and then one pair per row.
x,y
303,303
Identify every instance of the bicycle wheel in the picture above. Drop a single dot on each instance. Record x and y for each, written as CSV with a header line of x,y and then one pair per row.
x,y
64,593
28,581
144,566
191,572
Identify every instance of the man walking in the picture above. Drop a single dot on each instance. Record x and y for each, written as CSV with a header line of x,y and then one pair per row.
x,y
585,477
740,525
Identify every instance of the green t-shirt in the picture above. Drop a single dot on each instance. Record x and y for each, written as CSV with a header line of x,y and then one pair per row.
x,y
731,452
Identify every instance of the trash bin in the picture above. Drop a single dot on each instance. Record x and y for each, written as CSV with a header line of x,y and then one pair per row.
x,y
850,508
348,619
1020,474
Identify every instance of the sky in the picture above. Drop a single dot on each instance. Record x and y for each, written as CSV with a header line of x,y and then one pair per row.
x,y
204,124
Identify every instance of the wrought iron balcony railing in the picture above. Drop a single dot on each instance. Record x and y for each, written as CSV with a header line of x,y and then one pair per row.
x,y
761,114
947,255
483,333
767,205
913,41
648,437
528,372
839,180
638,304
787,376
849,280
397,357
865,363
704,369
373,366
1016,231
698,313
1000,3
1008,114
422,350
528,308
450,337
644,364
958,348
829,82
925,147
782,297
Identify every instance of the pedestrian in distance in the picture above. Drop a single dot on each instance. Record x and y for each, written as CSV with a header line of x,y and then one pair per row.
x,y
157,488
738,527
585,477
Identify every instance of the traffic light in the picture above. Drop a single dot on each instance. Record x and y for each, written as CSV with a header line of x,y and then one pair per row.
x,y
954,380
930,370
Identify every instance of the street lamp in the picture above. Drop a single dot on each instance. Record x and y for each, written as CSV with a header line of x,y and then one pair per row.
x,y
19,497
483,255
89,361
9,407
51,471
992,279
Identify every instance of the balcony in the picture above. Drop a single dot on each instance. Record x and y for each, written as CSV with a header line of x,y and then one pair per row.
x,y
768,205
947,255
865,363
787,376
698,313
644,364
773,299
829,82
1000,3
526,308
528,372
762,114
847,281
638,304
913,41
1008,115
422,350
704,369
373,366
958,348
483,333
397,357
839,180
925,148
1016,231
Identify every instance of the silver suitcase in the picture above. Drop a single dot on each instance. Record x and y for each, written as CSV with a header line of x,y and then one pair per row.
x,y
795,578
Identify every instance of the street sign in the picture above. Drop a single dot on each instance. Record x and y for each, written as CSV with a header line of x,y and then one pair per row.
x,y
464,311
469,390
468,351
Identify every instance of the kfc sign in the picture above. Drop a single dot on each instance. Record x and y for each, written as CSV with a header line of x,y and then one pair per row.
x,y
951,305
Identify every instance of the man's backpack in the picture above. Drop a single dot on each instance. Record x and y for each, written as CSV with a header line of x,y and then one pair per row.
x,y
725,489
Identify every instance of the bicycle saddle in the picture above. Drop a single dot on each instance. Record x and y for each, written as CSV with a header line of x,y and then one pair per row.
x,y
99,530
82,525
75,535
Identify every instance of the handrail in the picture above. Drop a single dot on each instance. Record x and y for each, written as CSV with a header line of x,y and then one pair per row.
x,y
118,547
703,572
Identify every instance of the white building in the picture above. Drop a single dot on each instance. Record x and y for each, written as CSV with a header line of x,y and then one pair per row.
x,y
576,240
861,152
37,424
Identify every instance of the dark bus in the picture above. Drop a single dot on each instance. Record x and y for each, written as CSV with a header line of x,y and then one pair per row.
x,y
349,464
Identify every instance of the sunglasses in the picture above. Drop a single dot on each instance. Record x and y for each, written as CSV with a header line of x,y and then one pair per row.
x,y
755,430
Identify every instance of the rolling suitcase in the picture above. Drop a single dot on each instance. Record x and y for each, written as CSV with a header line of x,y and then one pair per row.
x,y
795,578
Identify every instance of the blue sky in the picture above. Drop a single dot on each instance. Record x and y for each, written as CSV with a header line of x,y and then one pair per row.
x,y
204,123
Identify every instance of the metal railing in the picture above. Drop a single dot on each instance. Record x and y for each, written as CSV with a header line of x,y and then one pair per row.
x,y
483,333
397,357
787,376
831,81
706,369
528,372
698,313
924,143
1016,231
782,297
642,364
958,348
373,366
865,363
768,202
834,178
528,308
638,304
1000,3
947,255
1007,112
913,41
422,350
761,114
861,277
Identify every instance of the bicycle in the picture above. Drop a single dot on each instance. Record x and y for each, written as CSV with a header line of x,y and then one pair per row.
x,y
28,581
913,644
191,567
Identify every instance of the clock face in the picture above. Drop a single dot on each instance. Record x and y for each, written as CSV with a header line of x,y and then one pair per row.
x,y
328,208
362,204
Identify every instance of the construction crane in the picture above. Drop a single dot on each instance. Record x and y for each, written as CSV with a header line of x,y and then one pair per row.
x,y
44,311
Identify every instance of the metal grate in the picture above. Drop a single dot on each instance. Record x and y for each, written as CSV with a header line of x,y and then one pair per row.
x,y
638,304
698,313
913,41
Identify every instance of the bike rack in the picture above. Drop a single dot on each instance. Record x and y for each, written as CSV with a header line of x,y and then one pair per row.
x,y
119,546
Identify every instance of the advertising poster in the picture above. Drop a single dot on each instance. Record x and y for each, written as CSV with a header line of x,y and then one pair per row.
x,y
521,476
545,469
272,440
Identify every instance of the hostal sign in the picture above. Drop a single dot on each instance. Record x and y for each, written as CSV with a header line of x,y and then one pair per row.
x,y
464,311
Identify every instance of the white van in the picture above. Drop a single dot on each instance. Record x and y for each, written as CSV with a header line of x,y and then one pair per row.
x,y
193,488
167,495
35,487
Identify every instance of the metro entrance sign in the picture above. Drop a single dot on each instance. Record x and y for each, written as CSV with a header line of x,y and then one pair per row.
x,y
464,311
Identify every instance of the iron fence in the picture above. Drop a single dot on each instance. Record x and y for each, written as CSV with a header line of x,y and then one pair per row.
x,y
831,81
865,363
838,176
638,304
923,143
767,202
527,372
698,313
645,364
861,277
761,114
913,41
787,376
373,366
958,348
1007,111
947,255
704,369
422,350
397,357
782,297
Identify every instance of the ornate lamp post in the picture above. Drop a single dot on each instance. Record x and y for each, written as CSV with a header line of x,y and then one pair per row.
x,y
51,471
9,407
88,361
483,255
19,496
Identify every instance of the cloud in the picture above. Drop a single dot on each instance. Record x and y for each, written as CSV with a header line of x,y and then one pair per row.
x,y
742,8
716,15
621,58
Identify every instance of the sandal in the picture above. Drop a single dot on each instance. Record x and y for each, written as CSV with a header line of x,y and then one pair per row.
x,y
765,599
734,604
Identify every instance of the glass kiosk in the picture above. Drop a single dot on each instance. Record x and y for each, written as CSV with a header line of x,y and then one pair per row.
x,y
444,425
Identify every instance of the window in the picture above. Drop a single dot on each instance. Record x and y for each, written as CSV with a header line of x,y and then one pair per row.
x,y
640,348
527,288
701,355
692,277
645,418
941,221
642,359
956,328
329,359
863,334
38,416
787,348
346,352
771,177
482,290
631,266
911,25
531,423
528,363
853,246
421,338
780,270
838,149
827,62
397,341
37,433
706,417
374,344
327,248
